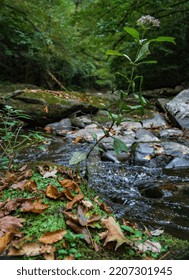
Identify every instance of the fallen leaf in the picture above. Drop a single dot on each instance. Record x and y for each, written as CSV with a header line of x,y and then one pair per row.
x,y
102,206
76,199
71,216
30,249
5,240
11,205
114,232
34,207
50,174
28,185
88,204
148,157
79,139
148,245
157,232
52,237
67,194
80,230
70,258
69,184
50,255
52,192
10,224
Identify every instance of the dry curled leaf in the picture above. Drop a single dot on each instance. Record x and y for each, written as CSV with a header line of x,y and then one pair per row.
x,y
69,184
76,199
52,192
52,237
148,245
5,240
34,207
80,230
114,232
10,224
30,249
28,185
50,174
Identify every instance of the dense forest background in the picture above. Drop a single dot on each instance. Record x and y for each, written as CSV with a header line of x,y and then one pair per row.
x,y
69,39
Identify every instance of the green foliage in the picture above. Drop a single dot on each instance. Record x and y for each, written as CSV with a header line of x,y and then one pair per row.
x,y
13,139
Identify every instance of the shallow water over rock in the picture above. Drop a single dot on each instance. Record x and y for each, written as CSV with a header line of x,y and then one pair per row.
x,y
149,196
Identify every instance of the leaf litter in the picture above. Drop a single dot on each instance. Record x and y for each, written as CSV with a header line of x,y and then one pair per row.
x,y
83,216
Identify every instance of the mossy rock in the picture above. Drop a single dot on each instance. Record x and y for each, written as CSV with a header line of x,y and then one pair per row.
x,y
44,106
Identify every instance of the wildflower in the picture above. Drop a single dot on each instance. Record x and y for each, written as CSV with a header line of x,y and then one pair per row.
x,y
148,21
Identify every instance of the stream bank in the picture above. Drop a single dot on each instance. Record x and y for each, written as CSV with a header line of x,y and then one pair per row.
x,y
148,184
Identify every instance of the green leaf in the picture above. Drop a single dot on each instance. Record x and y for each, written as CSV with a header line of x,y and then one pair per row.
x,y
119,146
164,39
144,50
77,157
114,52
133,32
148,62
127,228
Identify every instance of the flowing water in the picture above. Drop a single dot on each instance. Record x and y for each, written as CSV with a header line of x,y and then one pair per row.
x,y
120,186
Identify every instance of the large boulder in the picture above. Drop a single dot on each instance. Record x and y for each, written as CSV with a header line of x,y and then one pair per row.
x,y
178,109
44,106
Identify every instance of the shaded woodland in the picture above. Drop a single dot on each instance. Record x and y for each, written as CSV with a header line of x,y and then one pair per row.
x,y
42,41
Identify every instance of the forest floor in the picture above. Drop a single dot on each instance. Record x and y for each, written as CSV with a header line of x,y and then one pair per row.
x,y
48,212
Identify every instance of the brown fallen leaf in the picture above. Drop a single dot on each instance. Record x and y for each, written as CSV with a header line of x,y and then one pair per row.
x,y
52,192
79,139
12,205
34,207
52,237
80,230
27,185
5,240
114,232
76,199
71,216
50,255
85,219
88,204
69,184
30,249
148,245
67,194
11,224
102,205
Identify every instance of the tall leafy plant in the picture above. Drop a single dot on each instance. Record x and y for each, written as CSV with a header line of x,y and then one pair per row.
x,y
145,23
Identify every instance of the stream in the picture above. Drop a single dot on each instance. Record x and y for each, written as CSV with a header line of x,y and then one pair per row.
x,y
120,184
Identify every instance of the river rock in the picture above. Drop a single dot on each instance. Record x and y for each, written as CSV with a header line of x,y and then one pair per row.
x,y
107,143
174,149
178,163
81,121
89,133
171,133
112,156
178,109
149,155
144,135
156,122
59,128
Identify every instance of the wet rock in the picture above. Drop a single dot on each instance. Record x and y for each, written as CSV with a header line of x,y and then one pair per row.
x,y
125,126
178,109
112,156
175,149
144,135
81,121
107,143
178,163
171,133
149,155
59,128
156,122
89,133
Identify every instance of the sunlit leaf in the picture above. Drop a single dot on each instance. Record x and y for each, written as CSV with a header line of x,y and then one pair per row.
x,y
133,32
114,232
52,192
